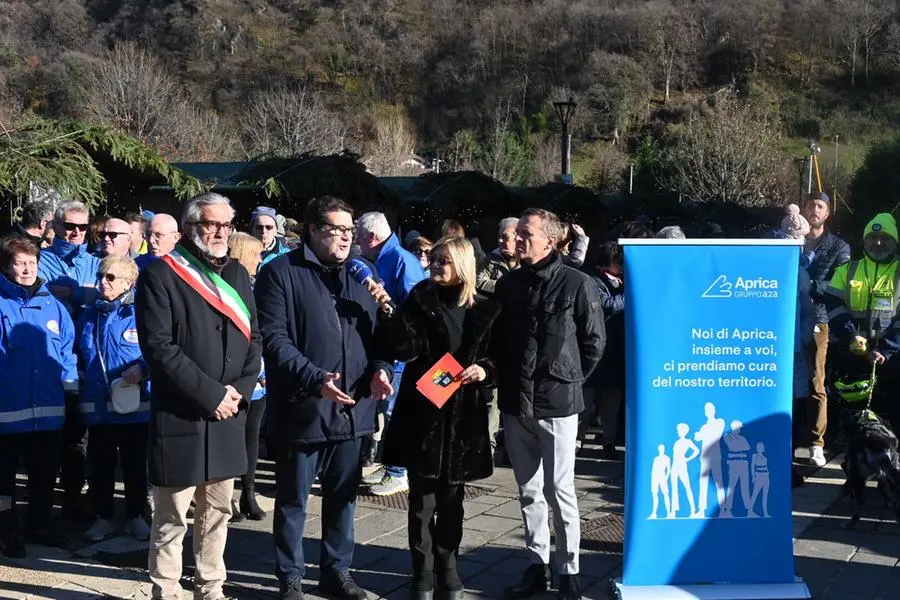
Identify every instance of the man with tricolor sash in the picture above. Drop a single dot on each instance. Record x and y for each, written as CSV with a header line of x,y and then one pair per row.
x,y
197,326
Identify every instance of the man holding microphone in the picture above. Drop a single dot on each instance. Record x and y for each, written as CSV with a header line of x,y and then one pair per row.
x,y
317,327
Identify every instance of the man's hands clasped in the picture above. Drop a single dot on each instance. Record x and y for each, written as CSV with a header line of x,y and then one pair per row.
x,y
229,405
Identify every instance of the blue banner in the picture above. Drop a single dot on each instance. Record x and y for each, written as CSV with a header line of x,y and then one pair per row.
x,y
710,359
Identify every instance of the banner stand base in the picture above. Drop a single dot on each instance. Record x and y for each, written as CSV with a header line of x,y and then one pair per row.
x,y
769,591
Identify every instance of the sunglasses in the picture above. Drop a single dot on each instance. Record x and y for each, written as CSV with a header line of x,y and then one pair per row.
x,y
441,261
109,277
422,252
261,227
73,226
112,234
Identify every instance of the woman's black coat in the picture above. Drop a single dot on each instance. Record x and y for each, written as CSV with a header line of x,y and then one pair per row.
x,y
451,443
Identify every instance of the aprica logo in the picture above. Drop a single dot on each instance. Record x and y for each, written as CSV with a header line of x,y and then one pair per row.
x,y
742,287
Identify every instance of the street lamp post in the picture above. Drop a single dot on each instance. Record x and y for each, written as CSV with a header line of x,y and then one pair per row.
x,y
565,110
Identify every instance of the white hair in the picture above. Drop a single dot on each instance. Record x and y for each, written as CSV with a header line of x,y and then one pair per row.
x,y
672,232
72,206
508,223
375,223
195,205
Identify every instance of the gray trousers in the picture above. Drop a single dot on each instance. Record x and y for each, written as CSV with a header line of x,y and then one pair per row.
x,y
542,453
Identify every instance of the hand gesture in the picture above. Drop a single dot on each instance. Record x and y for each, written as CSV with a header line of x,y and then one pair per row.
x,y
330,391
229,405
473,374
876,357
577,229
380,387
133,374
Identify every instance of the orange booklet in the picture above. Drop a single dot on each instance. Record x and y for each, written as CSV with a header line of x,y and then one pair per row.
x,y
439,382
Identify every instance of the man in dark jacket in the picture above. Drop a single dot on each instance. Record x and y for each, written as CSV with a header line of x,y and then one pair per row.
x,y
34,221
196,324
549,337
828,251
317,324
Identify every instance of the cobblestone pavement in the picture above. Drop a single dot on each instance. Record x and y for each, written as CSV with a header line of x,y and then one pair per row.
x,y
838,564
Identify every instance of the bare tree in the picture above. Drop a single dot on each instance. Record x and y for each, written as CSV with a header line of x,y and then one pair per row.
x,y
290,121
545,160
862,21
670,35
728,156
393,143
130,90
503,156
462,151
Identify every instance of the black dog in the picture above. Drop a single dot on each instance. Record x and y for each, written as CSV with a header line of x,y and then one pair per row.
x,y
872,454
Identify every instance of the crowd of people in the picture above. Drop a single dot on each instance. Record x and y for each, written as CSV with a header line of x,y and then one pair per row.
x,y
169,347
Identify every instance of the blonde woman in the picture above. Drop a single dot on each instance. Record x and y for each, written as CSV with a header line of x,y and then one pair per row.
x,y
441,448
247,250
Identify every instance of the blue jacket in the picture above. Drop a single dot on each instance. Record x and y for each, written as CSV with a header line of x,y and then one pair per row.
x,y
145,259
259,392
110,328
830,252
37,361
399,269
72,266
315,320
279,249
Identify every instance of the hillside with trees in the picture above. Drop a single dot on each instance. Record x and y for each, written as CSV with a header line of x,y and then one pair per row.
x,y
714,100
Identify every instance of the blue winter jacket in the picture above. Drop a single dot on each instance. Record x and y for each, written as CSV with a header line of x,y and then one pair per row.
x,y
280,248
37,361
109,328
145,259
71,266
399,269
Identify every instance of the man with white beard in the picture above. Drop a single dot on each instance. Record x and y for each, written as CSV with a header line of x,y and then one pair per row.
x,y
196,322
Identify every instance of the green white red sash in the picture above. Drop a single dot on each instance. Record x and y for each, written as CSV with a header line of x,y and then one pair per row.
x,y
217,292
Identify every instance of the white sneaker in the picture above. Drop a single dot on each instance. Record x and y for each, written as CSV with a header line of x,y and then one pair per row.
x,y
390,486
99,530
817,456
138,529
374,477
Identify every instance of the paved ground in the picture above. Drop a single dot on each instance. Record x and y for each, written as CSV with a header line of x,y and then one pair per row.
x,y
838,564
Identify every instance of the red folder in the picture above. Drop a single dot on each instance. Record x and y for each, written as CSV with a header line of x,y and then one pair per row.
x,y
440,382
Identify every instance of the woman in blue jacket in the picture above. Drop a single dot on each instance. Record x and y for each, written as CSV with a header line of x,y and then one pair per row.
x,y
39,369
115,396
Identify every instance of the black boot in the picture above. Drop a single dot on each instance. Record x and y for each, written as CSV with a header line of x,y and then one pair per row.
x,y
536,579
249,506
451,585
422,587
10,538
236,515
569,587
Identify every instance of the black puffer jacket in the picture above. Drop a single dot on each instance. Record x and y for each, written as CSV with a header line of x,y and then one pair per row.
x,y
831,252
547,340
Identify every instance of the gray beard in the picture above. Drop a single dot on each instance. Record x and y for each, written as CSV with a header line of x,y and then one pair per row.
x,y
206,249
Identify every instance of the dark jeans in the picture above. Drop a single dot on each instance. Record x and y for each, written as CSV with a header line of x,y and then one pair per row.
x,y
107,445
255,414
339,468
41,452
74,452
435,523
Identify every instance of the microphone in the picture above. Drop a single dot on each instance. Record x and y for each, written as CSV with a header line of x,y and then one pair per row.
x,y
362,274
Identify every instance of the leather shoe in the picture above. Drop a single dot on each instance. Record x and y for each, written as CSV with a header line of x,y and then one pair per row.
x,y
341,586
422,587
569,587
292,590
535,579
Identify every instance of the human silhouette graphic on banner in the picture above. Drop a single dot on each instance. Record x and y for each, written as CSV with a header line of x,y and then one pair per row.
x,y
662,469
684,450
710,435
738,468
760,480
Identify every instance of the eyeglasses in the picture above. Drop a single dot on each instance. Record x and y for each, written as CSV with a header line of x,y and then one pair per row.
x,y
441,261
109,277
215,226
261,227
112,234
155,235
73,226
422,252
336,230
